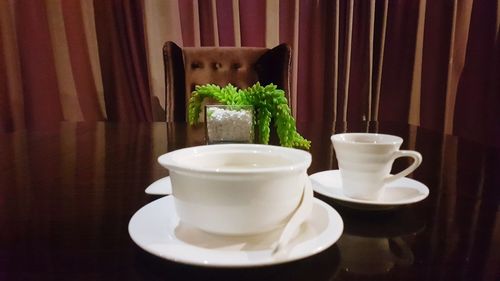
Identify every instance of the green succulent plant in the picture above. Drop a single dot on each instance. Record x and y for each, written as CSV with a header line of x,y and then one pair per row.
x,y
269,102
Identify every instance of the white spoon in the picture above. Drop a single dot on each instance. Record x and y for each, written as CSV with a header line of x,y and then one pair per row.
x,y
162,186
301,214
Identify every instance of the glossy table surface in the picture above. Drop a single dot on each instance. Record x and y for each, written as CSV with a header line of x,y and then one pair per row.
x,y
67,194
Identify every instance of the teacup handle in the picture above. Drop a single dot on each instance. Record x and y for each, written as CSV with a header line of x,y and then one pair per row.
x,y
417,160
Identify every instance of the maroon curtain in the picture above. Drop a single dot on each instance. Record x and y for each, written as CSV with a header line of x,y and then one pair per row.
x,y
428,63
120,33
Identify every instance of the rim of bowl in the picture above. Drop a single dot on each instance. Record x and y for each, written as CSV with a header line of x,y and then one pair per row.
x,y
391,139
301,159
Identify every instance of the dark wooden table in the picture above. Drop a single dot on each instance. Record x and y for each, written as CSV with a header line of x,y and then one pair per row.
x,y
67,194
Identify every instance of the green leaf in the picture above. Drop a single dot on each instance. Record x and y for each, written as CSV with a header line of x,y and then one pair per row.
x,y
269,103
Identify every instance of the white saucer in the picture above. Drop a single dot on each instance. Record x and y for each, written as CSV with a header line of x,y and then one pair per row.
x,y
157,229
401,192
162,186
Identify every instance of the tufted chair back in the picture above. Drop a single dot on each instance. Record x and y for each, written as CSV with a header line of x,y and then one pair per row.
x,y
241,66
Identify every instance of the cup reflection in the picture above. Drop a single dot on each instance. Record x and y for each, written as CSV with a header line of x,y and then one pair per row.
x,y
377,243
372,255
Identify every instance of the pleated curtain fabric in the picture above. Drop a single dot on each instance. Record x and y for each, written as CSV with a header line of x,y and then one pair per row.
x,y
429,63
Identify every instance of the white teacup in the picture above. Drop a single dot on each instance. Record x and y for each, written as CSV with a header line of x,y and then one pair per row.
x,y
236,189
365,162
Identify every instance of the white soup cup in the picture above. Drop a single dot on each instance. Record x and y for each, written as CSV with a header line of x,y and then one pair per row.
x,y
236,189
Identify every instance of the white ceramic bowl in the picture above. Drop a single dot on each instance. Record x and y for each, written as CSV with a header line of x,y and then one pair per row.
x,y
236,189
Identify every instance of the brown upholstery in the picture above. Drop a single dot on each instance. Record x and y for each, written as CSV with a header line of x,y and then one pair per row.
x,y
241,66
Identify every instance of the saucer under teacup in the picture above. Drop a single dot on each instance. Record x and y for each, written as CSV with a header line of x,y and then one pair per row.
x,y
156,228
401,192
161,186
